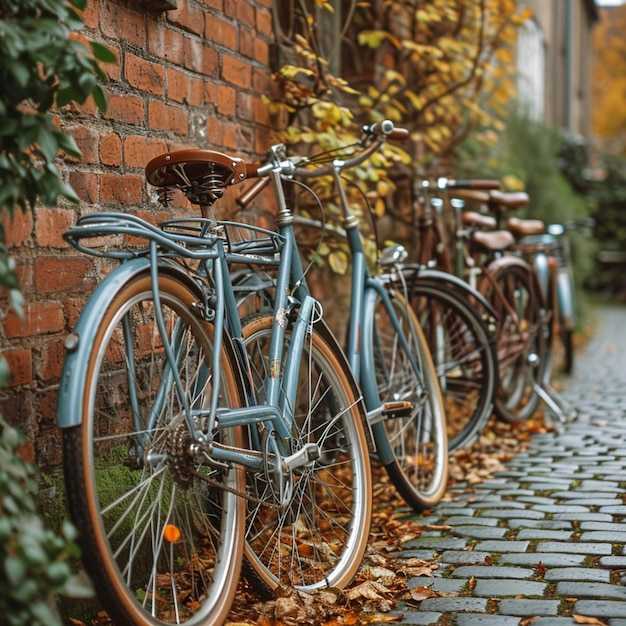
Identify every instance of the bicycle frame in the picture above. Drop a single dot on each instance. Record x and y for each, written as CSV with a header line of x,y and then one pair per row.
x,y
214,259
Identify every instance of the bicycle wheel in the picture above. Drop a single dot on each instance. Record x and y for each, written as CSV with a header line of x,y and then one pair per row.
x,y
412,441
463,351
520,340
315,537
161,531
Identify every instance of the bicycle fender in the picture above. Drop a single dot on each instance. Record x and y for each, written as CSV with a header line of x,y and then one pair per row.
x,y
542,269
565,296
79,342
456,282
509,259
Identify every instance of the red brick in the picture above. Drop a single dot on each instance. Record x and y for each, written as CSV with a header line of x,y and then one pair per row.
x,y
221,32
52,357
139,150
246,43
168,117
111,149
261,53
91,15
144,75
40,318
121,189
263,23
165,43
18,228
85,184
50,224
123,24
21,366
126,109
245,106
261,115
184,89
49,444
236,71
113,70
188,17
224,98
54,273
202,59
262,82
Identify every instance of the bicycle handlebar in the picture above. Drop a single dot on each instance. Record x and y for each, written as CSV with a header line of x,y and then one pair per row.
x,y
469,183
372,138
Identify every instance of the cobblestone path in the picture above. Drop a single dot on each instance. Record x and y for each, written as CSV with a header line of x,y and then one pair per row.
x,y
543,542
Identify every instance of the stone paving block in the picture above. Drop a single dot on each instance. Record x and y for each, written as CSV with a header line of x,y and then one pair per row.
x,y
498,588
439,543
479,532
618,562
536,500
512,514
575,547
476,521
600,608
548,524
540,533
503,546
595,502
613,510
528,608
411,617
547,559
492,571
592,574
604,526
561,508
472,619
554,621
598,535
580,517
590,590
449,585
453,605
464,557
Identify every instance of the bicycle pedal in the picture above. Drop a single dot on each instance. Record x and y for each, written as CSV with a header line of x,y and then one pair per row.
x,y
394,410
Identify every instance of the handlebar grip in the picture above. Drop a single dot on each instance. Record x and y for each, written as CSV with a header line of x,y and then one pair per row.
x,y
399,134
476,183
386,129
249,195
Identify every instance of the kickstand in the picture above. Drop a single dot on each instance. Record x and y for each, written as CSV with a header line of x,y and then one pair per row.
x,y
563,411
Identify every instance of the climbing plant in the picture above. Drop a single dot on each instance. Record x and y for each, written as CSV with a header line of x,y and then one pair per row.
x,y
44,65
436,67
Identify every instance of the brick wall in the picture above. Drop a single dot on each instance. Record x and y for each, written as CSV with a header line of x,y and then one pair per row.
x,y
185,78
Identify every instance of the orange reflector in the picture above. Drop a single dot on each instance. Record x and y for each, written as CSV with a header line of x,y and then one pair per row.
x,y
171,533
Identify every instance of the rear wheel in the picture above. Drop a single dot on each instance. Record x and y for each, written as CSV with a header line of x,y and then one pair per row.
x,y
463,351
520,339
161,531
316,534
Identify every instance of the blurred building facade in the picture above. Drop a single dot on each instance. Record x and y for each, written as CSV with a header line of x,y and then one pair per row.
x,y
554,62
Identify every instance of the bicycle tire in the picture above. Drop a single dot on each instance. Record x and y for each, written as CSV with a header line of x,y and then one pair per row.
x,y
319,537
415,441
160,542
520,338
463,351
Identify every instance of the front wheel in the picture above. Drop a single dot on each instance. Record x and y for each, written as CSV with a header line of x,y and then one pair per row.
x,y
317,535
161,531
510,288
411,436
